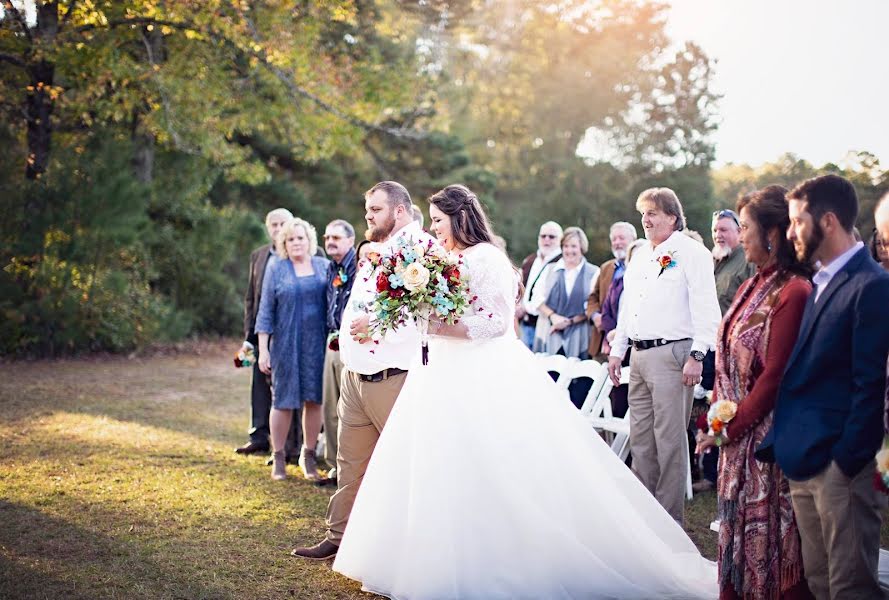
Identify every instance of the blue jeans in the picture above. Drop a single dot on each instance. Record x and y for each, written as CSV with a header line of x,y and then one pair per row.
x,y
527,334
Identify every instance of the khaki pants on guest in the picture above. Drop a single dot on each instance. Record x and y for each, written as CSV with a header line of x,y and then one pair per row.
x,y
839,524
363,410
660,406
330,397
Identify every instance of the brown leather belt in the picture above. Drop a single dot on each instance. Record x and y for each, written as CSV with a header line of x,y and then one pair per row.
x,y
381,376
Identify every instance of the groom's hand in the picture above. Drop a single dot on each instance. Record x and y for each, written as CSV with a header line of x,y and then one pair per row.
x,y
614,370
359,328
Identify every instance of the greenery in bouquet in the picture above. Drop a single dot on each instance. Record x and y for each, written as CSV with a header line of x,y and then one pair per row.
x,y
417,280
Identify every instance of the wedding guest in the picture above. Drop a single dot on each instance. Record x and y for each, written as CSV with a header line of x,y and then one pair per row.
x,y
881,220
567,327
611,274
828,421
291,325
759,544
261,261
361,250
669,316
373,373
878,249
567,288
339,243
535,268
730,266
417,215
731,269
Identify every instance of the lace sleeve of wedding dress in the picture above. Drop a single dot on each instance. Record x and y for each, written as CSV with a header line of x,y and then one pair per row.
x,y
494,283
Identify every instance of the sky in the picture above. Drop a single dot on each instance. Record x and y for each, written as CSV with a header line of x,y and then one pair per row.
x,y
771,56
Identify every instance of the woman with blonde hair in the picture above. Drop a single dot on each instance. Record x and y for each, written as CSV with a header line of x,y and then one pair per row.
x,y
291,326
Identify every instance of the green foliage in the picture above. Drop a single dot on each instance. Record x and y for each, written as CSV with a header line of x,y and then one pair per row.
x,y
863,169
156,135
114,264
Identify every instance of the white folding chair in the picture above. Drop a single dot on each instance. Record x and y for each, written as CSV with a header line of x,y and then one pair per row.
x,y
617,429
557,363
598,373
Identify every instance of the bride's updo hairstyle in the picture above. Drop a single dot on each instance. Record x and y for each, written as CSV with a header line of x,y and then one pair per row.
x,y
469,224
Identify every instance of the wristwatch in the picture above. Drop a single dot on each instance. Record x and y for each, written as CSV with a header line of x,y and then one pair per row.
x,y
697,355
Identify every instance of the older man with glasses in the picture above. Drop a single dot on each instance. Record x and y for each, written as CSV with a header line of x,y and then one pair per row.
x,y
535,268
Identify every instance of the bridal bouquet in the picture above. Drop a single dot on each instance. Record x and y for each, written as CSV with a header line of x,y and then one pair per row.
x,y
720,413
417,280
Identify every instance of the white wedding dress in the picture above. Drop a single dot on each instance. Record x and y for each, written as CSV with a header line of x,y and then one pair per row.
x,y
486,483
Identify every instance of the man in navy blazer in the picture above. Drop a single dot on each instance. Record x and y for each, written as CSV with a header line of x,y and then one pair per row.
x,y
828,420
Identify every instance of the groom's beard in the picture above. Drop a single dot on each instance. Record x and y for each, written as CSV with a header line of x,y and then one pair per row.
x,y
380,233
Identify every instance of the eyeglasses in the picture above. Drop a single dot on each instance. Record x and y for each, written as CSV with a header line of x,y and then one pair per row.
x,y
548,236
726,213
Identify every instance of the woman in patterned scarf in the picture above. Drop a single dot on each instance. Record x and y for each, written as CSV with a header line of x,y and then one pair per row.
x,y
759,544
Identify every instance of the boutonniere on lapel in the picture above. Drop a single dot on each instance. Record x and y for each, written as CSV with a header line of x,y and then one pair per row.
x,y
666,261
340,278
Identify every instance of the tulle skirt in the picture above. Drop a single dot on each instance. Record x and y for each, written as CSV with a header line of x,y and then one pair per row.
x,y
486,483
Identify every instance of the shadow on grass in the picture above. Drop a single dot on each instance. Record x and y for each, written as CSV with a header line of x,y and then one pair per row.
x,y
45,556
211,403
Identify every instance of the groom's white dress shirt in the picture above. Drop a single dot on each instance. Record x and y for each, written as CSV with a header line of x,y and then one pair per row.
x,y
675,304
398,349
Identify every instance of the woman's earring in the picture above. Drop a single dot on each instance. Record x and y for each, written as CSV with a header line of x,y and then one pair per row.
x,y
769,247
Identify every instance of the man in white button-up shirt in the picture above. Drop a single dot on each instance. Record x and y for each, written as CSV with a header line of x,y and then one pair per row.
x,y
669,313
373,373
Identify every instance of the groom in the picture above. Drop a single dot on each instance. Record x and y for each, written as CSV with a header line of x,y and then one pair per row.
x,y
373,373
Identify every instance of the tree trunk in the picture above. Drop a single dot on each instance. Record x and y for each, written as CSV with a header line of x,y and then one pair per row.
x,y
38,108
39,99
143,140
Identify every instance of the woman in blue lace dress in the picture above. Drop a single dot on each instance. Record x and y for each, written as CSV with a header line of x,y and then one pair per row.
x,y
292,339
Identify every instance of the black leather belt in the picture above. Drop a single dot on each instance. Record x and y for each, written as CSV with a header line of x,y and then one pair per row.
x,y
647,344
382,375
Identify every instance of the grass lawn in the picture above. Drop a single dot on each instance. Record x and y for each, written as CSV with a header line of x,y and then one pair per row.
x,y
118,479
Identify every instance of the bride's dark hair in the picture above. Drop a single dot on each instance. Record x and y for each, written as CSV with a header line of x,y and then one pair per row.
x,y
469,224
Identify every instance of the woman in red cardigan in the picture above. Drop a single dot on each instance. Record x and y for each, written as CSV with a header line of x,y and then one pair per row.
x,y
759,545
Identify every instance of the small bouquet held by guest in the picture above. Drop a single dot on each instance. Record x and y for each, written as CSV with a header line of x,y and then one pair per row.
x,y
416,281
720,413
245,356
881,474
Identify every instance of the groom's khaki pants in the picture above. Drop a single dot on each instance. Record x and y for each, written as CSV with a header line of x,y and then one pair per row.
x,y
363,410
660,406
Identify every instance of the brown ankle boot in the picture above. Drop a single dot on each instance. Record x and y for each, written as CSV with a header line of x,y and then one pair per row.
x,y
308,464
279,466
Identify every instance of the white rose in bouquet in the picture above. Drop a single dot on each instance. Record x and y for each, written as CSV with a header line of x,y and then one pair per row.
x,y
415,276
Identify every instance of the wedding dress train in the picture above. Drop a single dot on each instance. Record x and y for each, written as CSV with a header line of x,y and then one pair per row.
x,y
487,484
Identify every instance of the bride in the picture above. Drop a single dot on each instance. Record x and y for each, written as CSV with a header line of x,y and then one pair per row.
x,y
487,484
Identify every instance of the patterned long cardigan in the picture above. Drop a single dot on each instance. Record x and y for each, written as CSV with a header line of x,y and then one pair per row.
x,y
759,545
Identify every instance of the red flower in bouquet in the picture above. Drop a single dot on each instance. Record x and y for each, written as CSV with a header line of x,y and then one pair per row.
x,y
452,273
383,282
